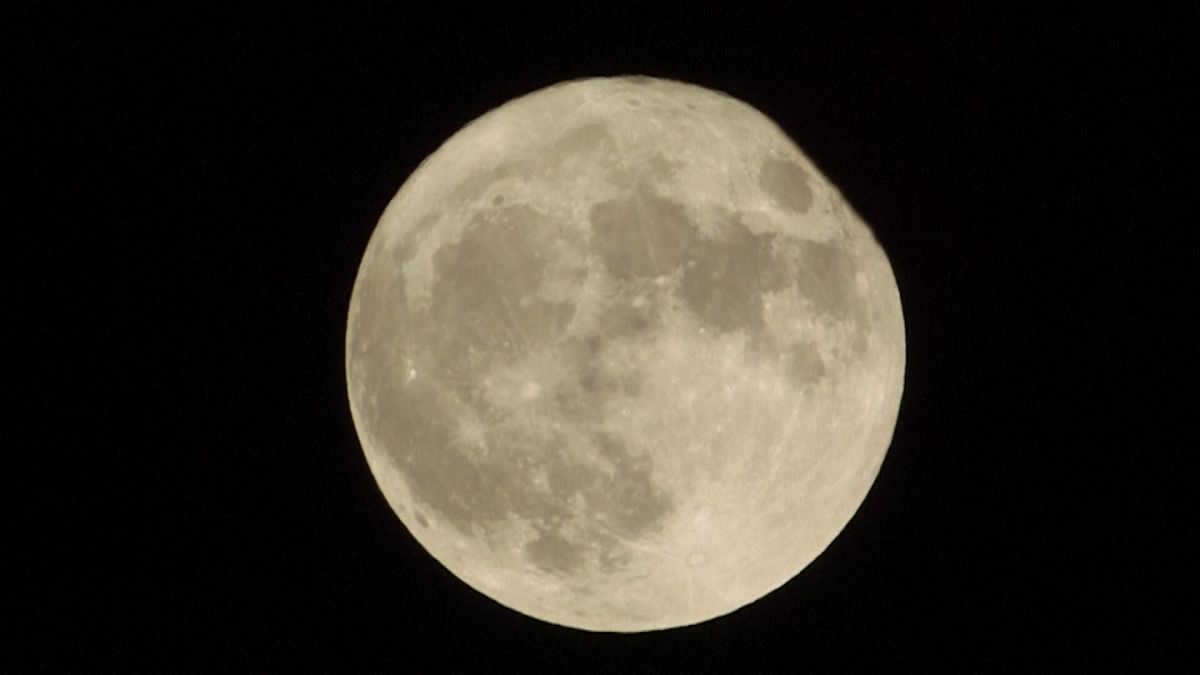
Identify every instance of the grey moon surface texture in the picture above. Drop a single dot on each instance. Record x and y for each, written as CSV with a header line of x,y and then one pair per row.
x,y
621,358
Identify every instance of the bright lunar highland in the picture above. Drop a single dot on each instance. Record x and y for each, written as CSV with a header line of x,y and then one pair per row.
x,y
621,358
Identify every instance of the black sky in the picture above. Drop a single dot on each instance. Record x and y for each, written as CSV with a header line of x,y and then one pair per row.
x,y
198,185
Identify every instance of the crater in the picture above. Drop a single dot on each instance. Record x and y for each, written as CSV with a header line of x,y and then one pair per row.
x,y
417,423
568,478
803,364
551,552
604,370
476,183
662,168
576,144
614,555
724,280
417,435
417,430
484,299
625,319
381,320
786,183
593,376
629,501
407,248
642,235
825,273
596,380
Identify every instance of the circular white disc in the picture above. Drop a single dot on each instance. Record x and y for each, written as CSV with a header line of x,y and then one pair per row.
x,y
621,358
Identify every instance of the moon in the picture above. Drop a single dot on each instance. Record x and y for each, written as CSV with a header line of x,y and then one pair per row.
x,y
621,358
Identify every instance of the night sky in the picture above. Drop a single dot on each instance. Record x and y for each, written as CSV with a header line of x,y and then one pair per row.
x,y
202,184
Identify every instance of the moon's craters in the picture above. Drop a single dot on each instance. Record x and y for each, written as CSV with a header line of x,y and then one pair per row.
x,y
803,362
787,184
608,355
507,422
725,279
577,144
473,492
519,418
408,246
825,274
516,420
485,292
641,235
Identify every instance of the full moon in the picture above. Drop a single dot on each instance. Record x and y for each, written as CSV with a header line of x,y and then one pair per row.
x,y
621,358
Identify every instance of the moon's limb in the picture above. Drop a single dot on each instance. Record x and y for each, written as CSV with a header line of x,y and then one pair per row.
x,y
621,358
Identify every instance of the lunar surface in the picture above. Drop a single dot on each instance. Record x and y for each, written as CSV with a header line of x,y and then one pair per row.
x,y
621,358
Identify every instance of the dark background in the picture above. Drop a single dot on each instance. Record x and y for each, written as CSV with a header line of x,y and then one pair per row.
x,y
195,190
